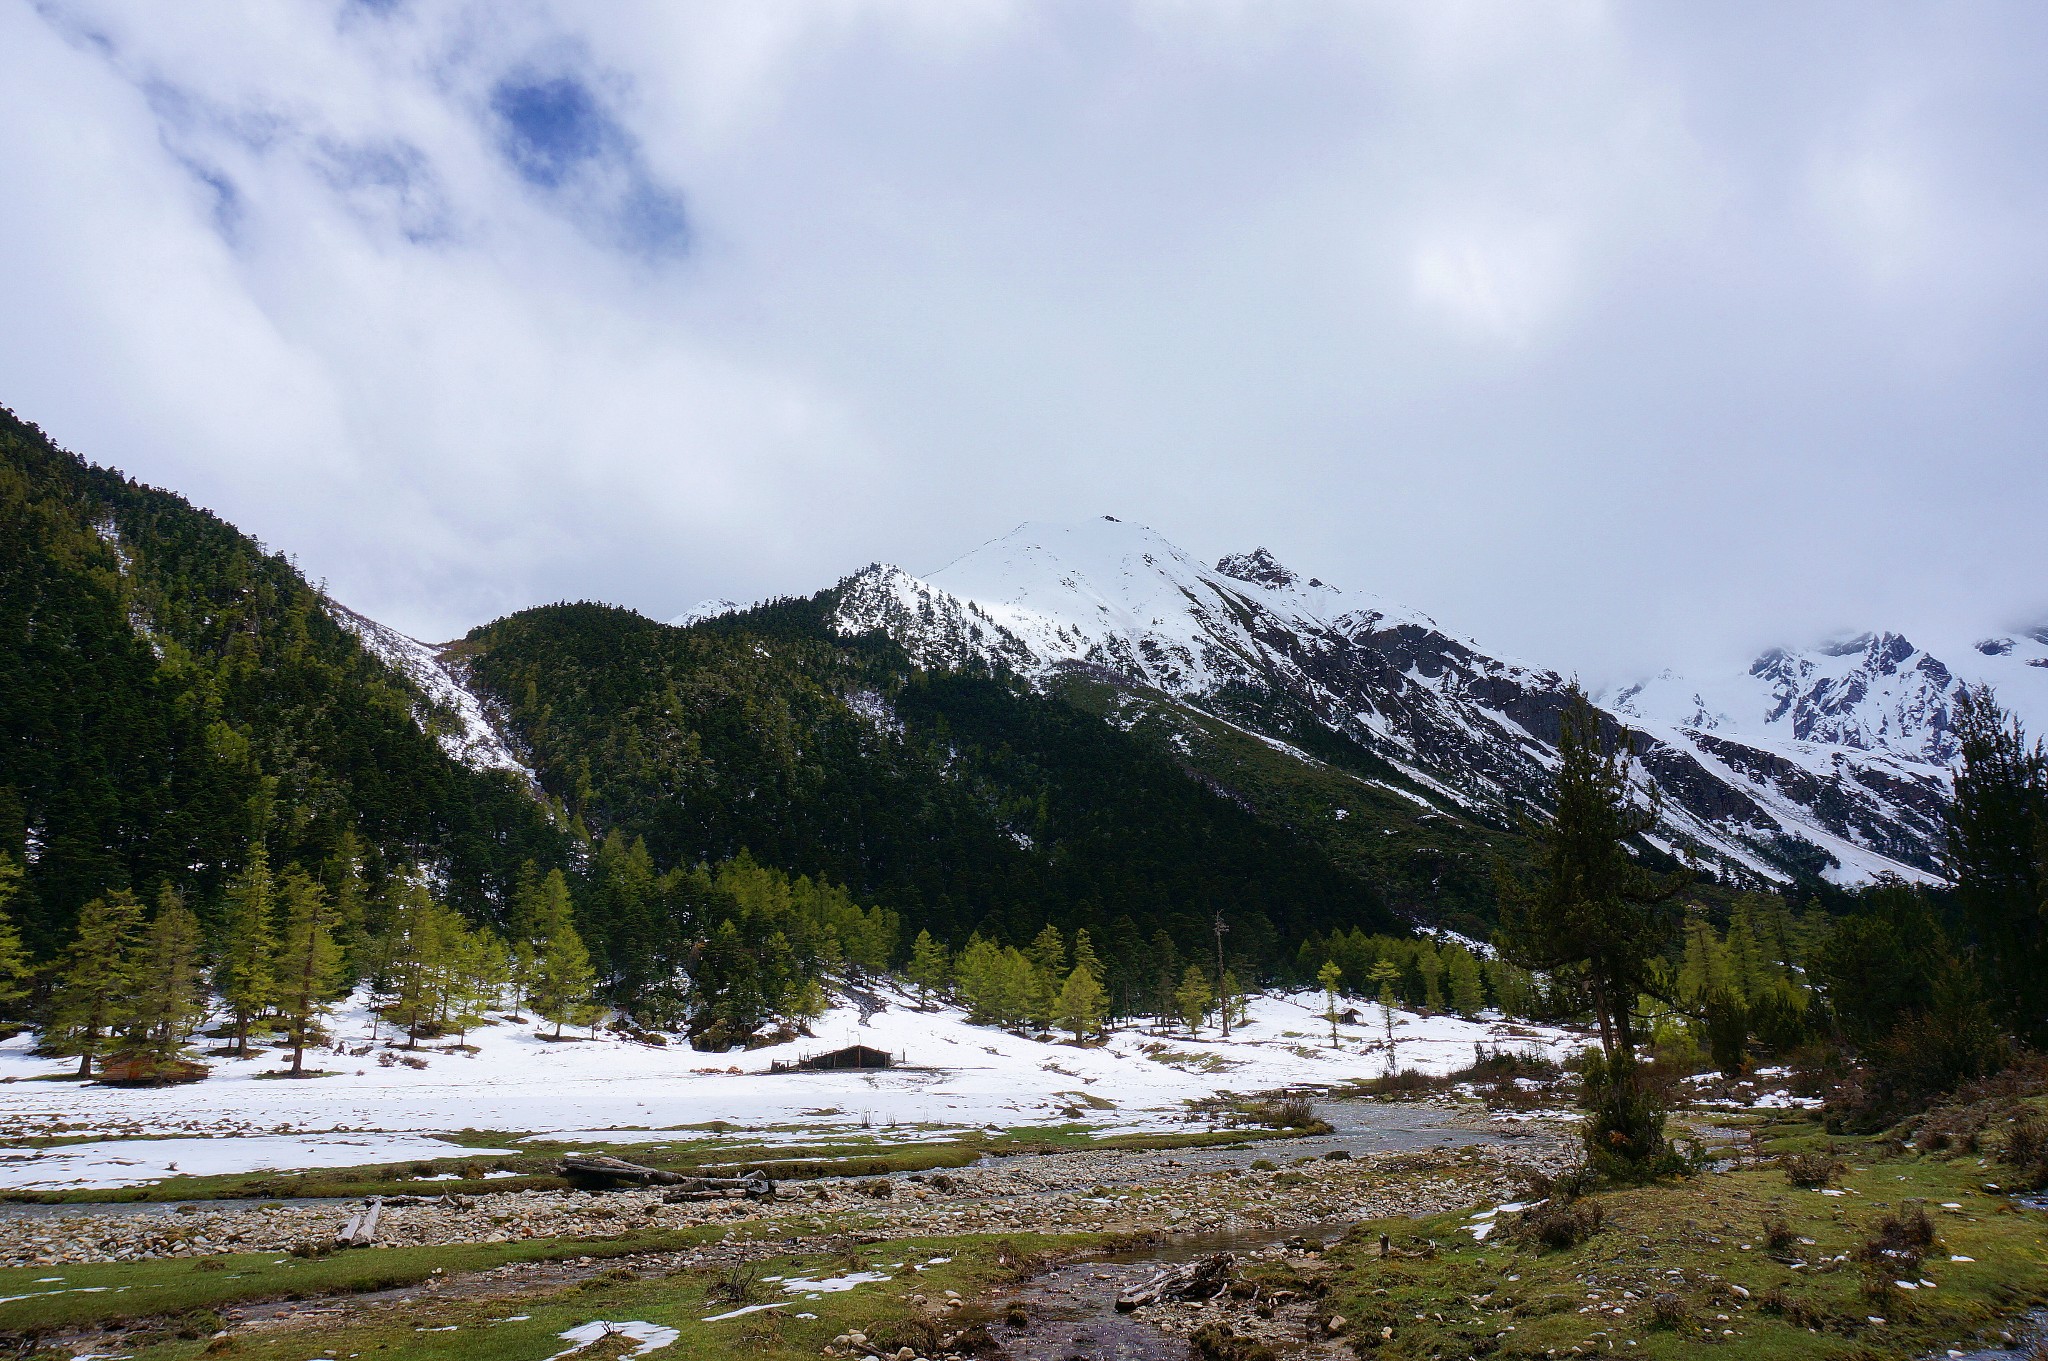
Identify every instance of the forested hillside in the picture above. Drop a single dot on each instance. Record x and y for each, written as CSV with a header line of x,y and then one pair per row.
x,y
169,692
960,800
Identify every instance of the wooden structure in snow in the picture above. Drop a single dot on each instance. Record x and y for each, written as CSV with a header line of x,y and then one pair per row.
x,y
853,1056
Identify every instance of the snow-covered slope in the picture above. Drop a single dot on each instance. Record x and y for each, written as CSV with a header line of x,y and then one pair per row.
x,y
448,709
1263,646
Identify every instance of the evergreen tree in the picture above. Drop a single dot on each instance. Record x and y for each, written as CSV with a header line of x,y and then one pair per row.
x,y
1468,996
1085,956
16,968
1194,997
1596,915
1166,977
308,962
1331,977
929,969
562,972
1081,1003
1998,856
1594,911
168,1000
95,980
244,976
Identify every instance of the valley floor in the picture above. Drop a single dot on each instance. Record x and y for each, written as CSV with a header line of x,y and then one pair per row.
x,y
952,1076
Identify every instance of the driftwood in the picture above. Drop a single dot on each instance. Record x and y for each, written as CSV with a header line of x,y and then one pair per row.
x,y
1201,1280
361,1229
755,1187
597,1170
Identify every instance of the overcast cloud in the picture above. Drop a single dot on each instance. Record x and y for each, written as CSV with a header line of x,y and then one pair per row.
x,y
1613,335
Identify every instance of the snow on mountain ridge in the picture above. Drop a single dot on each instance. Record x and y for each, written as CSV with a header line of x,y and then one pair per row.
x,y
474,739
1254,642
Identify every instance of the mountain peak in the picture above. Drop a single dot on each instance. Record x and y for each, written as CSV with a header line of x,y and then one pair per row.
x,y
1259,567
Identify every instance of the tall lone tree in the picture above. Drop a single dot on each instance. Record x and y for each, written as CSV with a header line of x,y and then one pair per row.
x,y
1597,914
1998,856
1593,911
243,976
308,962
95,979
169,987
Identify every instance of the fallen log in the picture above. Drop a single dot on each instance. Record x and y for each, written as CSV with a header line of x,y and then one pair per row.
x,y
608,1171
1200,1280
361,1229
756,1187
600,1171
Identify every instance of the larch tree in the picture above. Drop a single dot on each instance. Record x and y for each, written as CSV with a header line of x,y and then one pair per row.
x,y
929,968
1331,978
1082,1003
1048,956
95,980
562,974
168,1001
1461,970
1194,997
308,962
244,975
1385,973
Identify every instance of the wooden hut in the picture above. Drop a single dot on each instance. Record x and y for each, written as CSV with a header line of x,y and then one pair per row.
x,y
853,1056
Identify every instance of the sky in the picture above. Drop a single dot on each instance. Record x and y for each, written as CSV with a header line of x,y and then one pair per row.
x,y
1616,336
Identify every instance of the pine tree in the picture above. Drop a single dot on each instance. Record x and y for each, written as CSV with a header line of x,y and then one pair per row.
x,y
1081,1003
95,980
1998,856
1194,997
929,969
1331,977
308,962
1596,915
168,998
16,968
1468,997
1594,911
562,972
244,976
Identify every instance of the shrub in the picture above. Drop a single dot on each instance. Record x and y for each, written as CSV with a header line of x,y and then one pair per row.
x,y
1558,1223
1668,1311
1811,1169
1778,1235
1901,1239
2026,1149
1624,1135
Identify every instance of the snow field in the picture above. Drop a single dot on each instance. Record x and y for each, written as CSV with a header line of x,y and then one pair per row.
x,y
953,1076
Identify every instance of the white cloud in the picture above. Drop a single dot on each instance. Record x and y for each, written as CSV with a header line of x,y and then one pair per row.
x,y
1713,328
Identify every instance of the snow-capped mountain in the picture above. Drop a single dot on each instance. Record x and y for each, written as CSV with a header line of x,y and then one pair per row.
x,y
1831,760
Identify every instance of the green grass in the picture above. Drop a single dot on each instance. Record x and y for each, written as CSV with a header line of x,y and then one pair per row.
x,y
484,1330
113,1291
1500,1299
